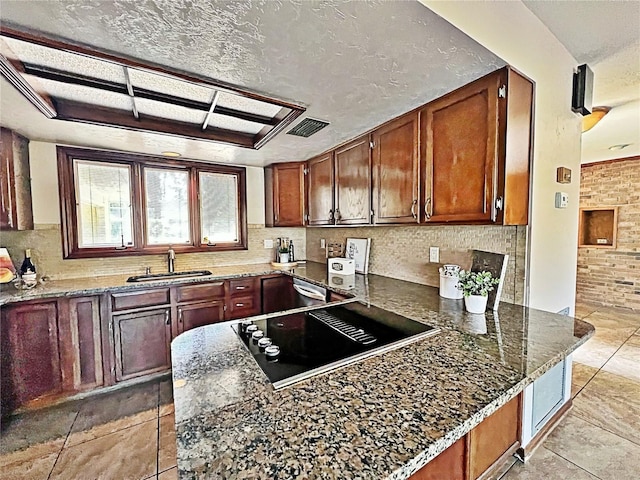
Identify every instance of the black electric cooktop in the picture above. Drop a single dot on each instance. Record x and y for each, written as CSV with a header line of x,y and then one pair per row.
x,y
304,344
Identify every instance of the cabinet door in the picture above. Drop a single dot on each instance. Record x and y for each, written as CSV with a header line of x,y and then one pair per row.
x,y
353,183
142,343
450,464
320,190
459,148
15,182
495,437
395,171
284,190
277,294
30,355
80,342
200,314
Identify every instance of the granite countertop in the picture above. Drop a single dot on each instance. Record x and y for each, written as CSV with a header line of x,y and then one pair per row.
x,y
383,417
96,285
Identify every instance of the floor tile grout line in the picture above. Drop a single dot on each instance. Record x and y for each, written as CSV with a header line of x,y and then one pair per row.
x,y
605,429
75,418
158,436
572,463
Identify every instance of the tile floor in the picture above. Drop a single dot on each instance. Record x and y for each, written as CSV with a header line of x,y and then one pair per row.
x,y
600,437
126,434
129,434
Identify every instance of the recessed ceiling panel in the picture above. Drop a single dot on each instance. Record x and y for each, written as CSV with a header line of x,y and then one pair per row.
x,y
30,53
170,112
249,105
78,93
235,124
169,86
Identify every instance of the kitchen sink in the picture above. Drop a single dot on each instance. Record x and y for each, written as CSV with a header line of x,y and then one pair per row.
x,y
169,276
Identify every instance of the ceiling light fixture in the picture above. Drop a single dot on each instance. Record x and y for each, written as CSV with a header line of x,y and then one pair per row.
x,y
171,154
619,147
589,121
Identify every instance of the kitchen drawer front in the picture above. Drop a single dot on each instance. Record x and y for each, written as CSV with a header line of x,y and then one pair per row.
x,y
243,306
242,286
205,291
139,299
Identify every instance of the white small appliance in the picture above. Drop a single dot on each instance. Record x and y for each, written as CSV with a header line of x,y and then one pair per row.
x,y
341,266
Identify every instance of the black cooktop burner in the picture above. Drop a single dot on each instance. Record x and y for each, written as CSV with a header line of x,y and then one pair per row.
x,y
315,341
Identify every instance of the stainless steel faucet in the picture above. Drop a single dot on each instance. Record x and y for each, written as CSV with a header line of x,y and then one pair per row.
x,y
171,258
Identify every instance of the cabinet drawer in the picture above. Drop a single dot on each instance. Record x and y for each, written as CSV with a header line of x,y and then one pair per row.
x,y
242,286
243,306
203,291
142,298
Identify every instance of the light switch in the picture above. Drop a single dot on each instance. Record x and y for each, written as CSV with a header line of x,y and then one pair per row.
x,y
323,243
562,200
268,243
434,254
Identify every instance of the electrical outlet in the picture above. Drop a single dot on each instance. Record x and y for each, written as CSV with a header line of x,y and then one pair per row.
x,y
323,243
434,254
268,244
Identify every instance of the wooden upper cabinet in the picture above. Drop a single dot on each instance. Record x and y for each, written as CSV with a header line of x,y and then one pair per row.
x,y
15,182
353,183
320,182
476,151
459,147
284,195
395,171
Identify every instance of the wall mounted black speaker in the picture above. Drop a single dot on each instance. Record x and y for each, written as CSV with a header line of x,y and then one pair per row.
x,y
582,90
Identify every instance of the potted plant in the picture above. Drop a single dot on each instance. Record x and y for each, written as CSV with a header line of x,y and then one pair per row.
x,y
284,254
475,287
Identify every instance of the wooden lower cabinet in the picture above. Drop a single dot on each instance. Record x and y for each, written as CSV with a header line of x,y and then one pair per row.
x,y
449,465
30,365
80,340
142,343
200,314
482,452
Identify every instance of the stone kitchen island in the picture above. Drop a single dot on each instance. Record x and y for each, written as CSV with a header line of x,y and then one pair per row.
x,y
383,417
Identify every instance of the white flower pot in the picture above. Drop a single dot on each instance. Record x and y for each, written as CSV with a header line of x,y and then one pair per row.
x,y
284,258
476,303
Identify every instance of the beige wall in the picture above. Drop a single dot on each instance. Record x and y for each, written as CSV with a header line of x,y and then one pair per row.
x,y
46,241
403,252
514,33
612,276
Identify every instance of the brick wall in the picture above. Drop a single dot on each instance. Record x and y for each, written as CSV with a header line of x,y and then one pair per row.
x,y
403,252
46,244
612,276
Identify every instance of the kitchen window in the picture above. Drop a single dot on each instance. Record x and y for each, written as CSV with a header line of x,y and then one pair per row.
x,y
116,204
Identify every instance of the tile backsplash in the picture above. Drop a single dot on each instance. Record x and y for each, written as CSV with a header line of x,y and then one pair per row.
x,y
403,252
46,244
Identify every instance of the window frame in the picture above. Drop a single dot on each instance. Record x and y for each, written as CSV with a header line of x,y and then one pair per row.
x,y
137,163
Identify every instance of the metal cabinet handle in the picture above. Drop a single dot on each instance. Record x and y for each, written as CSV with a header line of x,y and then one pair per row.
x,y
427,208
180,315
239,304
413,209
167,320
338,215
240,287
331,215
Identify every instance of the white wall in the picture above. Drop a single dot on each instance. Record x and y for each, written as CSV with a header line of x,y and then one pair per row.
x,y
44,186
514,33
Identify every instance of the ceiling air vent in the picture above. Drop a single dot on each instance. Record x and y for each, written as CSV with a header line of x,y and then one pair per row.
x,y
307,127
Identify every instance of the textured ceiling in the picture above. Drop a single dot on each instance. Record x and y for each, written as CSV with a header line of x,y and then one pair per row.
x,y
354,64
606,35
